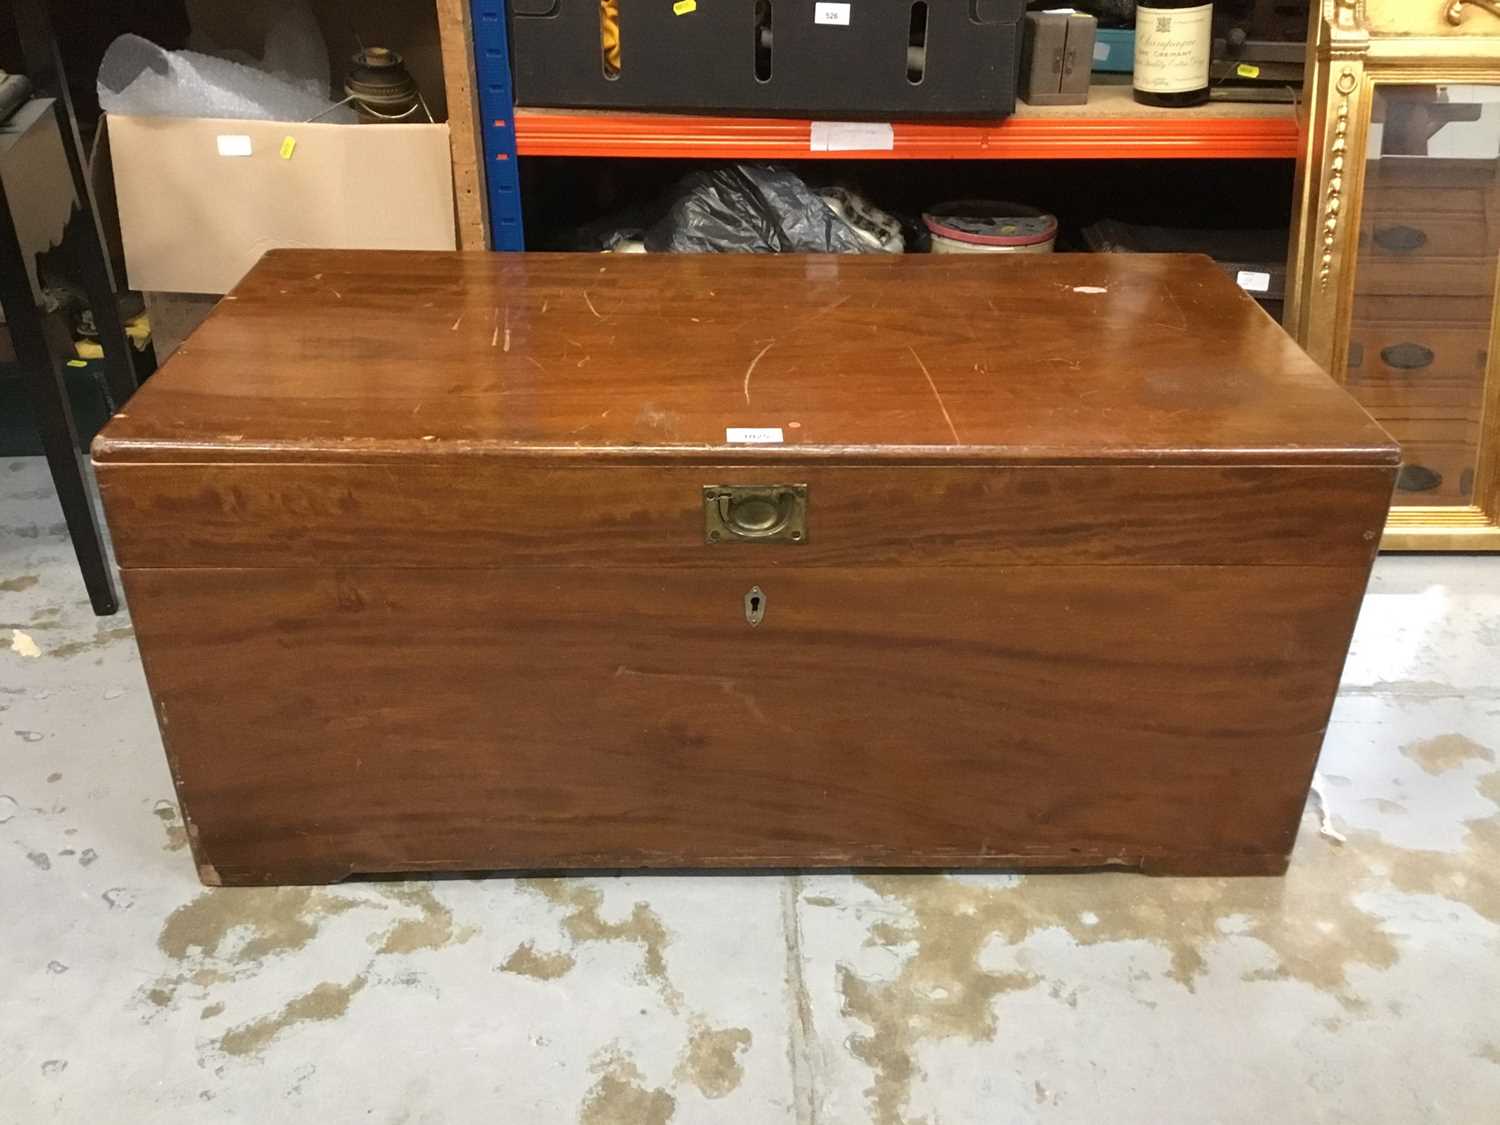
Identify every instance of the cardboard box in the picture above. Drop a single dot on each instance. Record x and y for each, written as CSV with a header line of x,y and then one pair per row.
x,y
201,200
194,217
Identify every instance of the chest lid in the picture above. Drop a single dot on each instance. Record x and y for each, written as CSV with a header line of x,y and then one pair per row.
x,y
553,358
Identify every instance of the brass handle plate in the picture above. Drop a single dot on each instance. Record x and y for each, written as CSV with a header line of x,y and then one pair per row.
x,y
1407,356
1400,239
774,513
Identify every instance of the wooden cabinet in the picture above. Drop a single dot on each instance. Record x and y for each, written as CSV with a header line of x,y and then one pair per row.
x,y
1428,230
1394,270
518,561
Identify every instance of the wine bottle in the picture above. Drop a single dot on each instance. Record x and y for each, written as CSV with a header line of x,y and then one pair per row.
x,y
1172,44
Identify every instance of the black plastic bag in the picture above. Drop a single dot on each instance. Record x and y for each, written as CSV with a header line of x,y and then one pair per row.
x,y
755,209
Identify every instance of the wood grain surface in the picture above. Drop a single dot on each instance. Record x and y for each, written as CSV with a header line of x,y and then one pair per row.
x,y
414,545
325,722
481,513
364,356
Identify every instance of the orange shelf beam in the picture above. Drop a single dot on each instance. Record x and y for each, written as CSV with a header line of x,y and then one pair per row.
x,y
1194,134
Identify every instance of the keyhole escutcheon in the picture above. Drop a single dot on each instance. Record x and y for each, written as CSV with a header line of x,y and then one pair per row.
x,y
755,605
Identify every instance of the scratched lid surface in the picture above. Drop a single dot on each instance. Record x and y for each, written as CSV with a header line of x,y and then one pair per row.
x,y
376,355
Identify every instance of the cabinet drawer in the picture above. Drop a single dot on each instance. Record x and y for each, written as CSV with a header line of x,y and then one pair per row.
x,y
1392,400
1432,277
1435,472
1450,312
1438,453
1422,185
1417,352
1415,423
1421,236
1418,425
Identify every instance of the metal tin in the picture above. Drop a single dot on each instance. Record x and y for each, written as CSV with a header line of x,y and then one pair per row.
x,y
980,226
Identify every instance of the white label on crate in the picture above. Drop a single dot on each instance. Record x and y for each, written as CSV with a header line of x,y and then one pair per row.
x,y
847,136
764,435
831,14
1252,281
234,144
1101,51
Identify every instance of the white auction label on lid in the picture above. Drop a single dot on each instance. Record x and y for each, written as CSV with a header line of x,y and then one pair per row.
x,y
234,144
1253,281
763,435
835,14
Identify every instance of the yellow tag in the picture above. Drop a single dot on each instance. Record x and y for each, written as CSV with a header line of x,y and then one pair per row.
x,y
77,363
1245,70
288,147
683,7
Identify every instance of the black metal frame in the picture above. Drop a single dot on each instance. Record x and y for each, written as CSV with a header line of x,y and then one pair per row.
x,y
42,372
40,343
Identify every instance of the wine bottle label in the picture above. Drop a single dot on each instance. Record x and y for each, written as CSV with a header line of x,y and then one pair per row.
x,y
1171,48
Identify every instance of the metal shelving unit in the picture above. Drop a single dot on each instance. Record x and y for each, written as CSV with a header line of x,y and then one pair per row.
x,y
492,81
1110,127
1118,130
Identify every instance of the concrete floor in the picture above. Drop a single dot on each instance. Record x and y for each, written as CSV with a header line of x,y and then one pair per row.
x,y
1365,987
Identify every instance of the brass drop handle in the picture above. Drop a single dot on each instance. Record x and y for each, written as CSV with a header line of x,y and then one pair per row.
x,y
1400,239
774,513
756,517
1407,356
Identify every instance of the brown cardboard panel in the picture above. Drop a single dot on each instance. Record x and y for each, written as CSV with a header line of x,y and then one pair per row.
x,y
34,165
102,183
195,221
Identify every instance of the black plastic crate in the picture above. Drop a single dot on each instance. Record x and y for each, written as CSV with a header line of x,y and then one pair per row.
x,y
891,59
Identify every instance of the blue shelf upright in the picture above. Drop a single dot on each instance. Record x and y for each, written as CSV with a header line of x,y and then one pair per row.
x,y
492,75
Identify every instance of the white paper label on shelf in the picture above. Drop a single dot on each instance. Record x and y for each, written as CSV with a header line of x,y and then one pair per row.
x,y
1252,281
1101,51
847,136
233,144
763,435
836,14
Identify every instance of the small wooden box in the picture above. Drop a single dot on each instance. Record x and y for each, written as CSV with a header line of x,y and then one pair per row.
x,y
1057,57
445,561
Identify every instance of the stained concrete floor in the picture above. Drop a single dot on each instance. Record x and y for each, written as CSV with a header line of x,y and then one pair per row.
x,y
1365,987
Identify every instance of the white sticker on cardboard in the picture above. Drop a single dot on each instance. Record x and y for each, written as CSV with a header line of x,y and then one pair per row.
x,y
233,144
851,136
1252,281
1101,51
833,14
763,435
